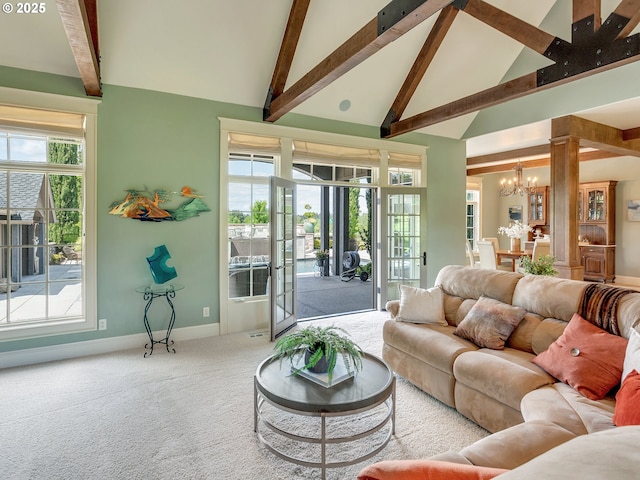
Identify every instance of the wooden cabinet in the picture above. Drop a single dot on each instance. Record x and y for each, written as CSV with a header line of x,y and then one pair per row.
x,y
537,205
597,212
599,262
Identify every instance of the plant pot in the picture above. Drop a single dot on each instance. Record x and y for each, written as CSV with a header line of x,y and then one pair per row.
x,y
321,367
308,227
515,245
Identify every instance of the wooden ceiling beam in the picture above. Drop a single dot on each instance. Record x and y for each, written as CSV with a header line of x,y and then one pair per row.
x,y
627,9
523,32
594,134
420,66
593,52
587,8
80,22
397,18
504,92
538,162
631,134
510,155
292,32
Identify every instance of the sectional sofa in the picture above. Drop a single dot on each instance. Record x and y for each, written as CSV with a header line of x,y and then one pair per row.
x,y
535,360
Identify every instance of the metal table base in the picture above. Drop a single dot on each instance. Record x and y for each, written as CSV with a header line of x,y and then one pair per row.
x,y
387,420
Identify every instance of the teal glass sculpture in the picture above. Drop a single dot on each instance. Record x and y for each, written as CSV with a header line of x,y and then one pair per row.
x,y
160,271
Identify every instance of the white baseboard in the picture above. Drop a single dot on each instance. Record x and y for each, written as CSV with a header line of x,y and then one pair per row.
x,y
631,281
65,351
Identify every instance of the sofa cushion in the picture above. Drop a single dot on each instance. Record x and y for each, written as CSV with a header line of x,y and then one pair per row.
x,y
522,336
610,454
627,401
533,293
435,345
562,405
490,322
516,445
632,354
506,376
585,357
419,305
426,470
467,282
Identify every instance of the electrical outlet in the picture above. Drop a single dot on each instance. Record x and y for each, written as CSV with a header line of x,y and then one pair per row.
x,y
102,324
205,311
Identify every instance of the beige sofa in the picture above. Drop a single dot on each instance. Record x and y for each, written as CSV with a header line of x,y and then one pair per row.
x,y
502,390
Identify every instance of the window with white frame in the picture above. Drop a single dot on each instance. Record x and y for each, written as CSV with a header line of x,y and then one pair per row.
x,y
248,223
43,224
473,217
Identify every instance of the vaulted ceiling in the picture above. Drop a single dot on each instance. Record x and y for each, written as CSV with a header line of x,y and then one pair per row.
x,y
403,65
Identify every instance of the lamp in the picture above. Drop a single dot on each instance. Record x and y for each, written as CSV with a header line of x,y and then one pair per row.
x,y
509,188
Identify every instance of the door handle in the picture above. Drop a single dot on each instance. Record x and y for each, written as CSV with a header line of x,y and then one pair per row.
x,y
424,258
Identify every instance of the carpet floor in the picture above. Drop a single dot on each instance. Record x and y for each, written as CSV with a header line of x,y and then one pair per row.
x,y
187,415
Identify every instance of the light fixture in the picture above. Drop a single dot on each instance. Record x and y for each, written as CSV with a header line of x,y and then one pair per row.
x,y
509,188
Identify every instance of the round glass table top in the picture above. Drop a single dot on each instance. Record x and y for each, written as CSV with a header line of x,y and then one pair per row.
x,y
372,384
160,289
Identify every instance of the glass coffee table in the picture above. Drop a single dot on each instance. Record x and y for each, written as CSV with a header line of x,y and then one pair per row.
x,y
373,386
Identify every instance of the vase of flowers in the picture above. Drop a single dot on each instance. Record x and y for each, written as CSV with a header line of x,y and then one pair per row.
x,y
515,231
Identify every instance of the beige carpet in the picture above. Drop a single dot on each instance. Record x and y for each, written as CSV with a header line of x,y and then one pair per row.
x,y
182,416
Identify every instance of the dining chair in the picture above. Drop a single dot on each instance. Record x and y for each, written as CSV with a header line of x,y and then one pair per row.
x,y
488,256
540,249
470,254
496,246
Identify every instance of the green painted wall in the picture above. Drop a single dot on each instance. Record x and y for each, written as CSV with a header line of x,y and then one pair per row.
x,y
159,140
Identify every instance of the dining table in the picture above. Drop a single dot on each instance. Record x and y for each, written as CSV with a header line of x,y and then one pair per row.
x,y
512,255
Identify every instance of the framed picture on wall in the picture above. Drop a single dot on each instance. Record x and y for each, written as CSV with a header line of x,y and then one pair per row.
x,y
633,211
515,213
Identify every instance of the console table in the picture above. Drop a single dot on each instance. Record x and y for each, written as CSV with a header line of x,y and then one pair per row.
x,y
150,293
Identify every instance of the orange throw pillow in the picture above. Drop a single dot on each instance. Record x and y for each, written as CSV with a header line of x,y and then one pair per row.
x,y
586,357
628,401
426,470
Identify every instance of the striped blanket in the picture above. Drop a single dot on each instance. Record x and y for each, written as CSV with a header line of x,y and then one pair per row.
x,y
599,305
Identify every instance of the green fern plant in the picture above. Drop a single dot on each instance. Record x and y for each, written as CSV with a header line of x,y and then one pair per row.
x,y
320,342
541,266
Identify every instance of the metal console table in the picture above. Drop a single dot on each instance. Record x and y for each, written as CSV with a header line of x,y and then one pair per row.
x,y
151,292
373,386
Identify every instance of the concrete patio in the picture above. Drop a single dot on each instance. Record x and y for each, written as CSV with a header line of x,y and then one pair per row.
x,y
324,296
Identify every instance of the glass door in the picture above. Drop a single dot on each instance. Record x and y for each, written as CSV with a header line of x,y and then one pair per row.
x,y
283,256
404,232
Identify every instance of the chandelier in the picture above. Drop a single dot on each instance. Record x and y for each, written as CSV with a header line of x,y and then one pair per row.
x,y
509,188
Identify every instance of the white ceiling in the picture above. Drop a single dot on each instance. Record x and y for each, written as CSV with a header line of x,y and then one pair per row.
x,y
226,50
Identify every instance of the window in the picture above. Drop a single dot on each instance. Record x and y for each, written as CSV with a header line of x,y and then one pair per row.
x,y
402,176
473,217
248,223
47,274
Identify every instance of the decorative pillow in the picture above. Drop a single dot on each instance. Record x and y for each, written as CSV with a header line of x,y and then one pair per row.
x,y
632,355
418,305
427,470
585,357
490,322
627,401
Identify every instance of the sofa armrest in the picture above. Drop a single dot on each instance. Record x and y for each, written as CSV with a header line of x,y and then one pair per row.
x,y
393,307
426,470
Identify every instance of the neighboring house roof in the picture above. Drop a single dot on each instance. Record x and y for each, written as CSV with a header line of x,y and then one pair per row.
x,y
28,197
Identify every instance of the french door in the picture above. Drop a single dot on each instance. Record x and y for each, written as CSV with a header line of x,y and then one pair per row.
x,y
283,256
404,231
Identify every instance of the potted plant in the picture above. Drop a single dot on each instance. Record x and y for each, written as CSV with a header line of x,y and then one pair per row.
x,y
320,348
322,260
541,266
515,231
